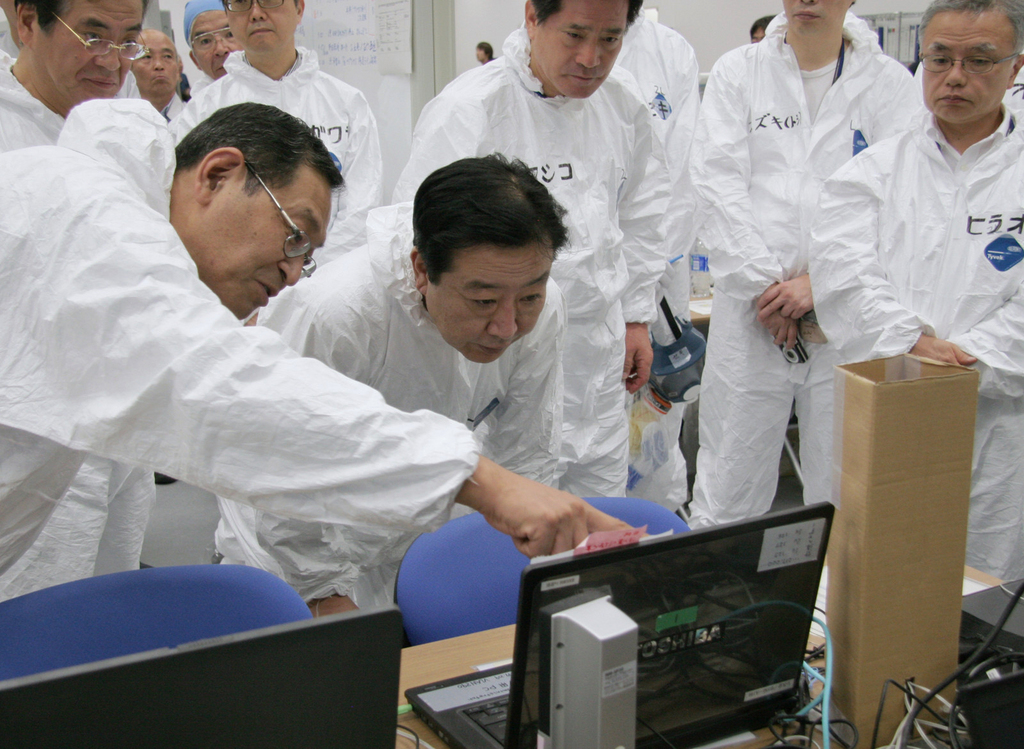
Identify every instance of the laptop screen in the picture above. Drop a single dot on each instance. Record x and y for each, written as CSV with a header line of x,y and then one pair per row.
x,y
317,683
723,615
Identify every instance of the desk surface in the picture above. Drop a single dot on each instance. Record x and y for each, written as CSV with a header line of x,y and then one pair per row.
x,y
423,664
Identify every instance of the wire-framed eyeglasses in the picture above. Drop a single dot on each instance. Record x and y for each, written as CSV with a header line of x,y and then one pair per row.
x,y
99,47
208,39
974,65
297,243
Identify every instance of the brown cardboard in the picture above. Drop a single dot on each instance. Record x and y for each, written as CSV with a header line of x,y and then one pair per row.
x,y
902,468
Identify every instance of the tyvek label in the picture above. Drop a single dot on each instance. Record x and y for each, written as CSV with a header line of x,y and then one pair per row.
x,y
1004,253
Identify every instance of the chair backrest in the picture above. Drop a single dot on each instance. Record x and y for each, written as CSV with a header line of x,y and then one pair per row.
x,y
464,577
131,612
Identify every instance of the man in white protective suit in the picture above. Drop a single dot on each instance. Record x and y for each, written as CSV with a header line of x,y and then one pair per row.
x,y
665,66
99,524
777,118
158,73
210,40
449,308
60,64
127,266
918,249
272,70
554,101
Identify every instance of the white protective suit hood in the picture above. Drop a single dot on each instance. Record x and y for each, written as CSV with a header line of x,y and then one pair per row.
x,y
25,120
338,112
130,134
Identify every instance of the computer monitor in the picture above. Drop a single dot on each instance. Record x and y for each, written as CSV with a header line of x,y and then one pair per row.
x,y
315,684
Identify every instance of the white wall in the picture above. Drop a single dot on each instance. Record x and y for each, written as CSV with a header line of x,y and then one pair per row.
x,y
713,27
483,21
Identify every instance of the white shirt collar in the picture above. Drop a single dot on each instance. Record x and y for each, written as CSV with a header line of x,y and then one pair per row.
x,y
965,161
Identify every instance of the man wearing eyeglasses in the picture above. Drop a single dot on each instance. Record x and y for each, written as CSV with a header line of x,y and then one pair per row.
x,y
72,51
127,263
272,70
158,73
918,248
210,40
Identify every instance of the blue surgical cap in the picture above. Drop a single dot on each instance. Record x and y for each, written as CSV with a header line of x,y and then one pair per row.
x,y
193,9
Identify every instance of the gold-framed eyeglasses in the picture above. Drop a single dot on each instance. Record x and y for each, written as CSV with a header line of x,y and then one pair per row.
x,y
99,47
240,6
297,243
208,39
973,65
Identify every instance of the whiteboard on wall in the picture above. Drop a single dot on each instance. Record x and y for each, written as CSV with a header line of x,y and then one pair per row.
x,y
344,35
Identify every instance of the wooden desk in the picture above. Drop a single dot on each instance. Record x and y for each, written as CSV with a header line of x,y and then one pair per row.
x,y
443,659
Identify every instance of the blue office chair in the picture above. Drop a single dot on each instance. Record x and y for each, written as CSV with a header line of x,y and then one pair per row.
x,y
130,612
464,577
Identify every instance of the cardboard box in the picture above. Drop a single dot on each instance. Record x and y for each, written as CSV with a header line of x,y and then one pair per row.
x,y
904,430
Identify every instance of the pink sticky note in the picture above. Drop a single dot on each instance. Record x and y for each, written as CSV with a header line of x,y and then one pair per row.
x,y
601,540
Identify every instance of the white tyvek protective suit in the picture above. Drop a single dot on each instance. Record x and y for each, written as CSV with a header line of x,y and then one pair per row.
x,y
757,165
595,156
665,67
99,524
202,80
363,316
26,121
341,116
110,343
903,247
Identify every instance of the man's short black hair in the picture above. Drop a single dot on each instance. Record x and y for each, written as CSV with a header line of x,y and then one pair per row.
x,y
760,24
274,144
486,200
547,8
48,10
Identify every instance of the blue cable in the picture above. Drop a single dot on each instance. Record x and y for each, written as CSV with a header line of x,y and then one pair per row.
x,y
825,698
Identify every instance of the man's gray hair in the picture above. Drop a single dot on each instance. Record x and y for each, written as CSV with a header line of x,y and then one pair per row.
x,y
1012,9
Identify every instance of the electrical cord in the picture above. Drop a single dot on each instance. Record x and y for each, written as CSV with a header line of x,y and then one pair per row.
x,y
411,735
908,727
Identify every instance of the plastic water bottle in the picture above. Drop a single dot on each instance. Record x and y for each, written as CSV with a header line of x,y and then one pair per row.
x,y
700,273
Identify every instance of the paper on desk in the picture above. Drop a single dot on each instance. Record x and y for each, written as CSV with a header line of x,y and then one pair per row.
x,y
969,586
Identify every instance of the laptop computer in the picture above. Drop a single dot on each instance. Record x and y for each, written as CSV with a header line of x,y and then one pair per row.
x,y
317,683
723,615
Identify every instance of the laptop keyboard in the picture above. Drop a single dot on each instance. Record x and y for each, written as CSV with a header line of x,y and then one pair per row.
x,y
491,716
